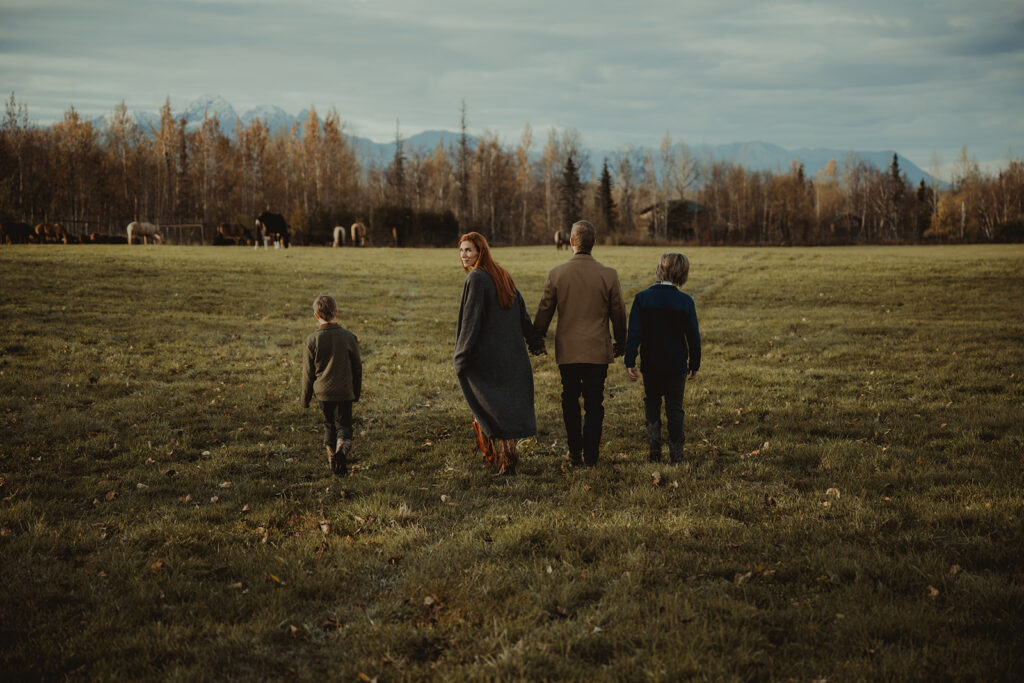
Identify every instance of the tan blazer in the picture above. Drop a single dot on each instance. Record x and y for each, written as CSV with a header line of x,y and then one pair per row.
x,y
586,295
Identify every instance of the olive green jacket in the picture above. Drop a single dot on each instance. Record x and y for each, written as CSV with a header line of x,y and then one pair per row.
x,y
331,368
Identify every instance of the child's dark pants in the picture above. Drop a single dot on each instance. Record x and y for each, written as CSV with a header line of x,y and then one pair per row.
x,y
658,385
337,421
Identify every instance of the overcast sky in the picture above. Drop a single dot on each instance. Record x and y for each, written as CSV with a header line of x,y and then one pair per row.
x,y
920,77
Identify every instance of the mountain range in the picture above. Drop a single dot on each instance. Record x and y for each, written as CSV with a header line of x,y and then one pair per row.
x,y
753,155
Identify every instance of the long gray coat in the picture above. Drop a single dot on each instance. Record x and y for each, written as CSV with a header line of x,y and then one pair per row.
x,y
491,360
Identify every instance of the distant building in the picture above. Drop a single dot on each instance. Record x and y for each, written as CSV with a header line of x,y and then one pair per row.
x,y
681,223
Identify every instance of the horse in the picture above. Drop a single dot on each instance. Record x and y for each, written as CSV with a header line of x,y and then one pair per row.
x,y
232,233
358,235
271,227
50,233
145,231
561,239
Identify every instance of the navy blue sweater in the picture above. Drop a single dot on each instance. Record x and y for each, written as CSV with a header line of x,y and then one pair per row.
x,y
663,326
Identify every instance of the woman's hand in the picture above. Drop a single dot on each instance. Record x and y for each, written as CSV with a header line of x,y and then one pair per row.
x,y
632,373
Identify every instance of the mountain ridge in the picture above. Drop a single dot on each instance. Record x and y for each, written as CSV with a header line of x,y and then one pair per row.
x,y
755,155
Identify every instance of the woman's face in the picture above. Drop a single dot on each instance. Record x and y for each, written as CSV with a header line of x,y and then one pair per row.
x,y
469,254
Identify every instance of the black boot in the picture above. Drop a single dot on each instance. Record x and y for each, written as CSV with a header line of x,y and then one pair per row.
x,y
654,441
675,450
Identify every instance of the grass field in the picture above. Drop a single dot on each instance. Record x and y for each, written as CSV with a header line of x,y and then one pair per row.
x,y
850,506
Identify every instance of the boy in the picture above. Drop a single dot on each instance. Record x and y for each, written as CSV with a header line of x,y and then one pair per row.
x,y
332,371
663,325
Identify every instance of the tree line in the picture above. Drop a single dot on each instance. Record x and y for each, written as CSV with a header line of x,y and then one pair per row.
x,y
97,179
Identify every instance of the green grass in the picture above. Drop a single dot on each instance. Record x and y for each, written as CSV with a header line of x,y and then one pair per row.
x,y
849,507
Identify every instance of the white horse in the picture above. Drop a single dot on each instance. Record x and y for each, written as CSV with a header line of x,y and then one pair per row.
x,y
339,235
145,231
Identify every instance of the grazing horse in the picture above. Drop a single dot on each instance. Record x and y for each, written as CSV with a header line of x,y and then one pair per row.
x,y
50,233
271,227
358,235
339,235
16,233
232,233
145,231
561,239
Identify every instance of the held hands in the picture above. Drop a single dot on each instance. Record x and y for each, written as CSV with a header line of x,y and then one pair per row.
x,y
632,373
693,375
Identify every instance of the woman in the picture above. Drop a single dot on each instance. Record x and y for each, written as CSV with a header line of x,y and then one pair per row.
x,y
490,356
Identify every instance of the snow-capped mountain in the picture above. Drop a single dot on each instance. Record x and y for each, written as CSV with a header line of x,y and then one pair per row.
x,y
753,155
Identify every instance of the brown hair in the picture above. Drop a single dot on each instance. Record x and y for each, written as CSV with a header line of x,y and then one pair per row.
x,y
583,236
502,280
325,308
673,267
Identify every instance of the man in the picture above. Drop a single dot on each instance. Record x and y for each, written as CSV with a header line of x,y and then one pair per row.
x,y
586,295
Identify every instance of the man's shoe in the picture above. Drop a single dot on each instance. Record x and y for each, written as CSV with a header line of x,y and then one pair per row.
x,y
675,450
654,441
332,459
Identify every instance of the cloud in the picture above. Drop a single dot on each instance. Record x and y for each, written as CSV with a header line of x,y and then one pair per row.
x,y
873,74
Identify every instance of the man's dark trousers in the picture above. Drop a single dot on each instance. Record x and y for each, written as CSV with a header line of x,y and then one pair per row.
x,y
337,421
586,380
669,385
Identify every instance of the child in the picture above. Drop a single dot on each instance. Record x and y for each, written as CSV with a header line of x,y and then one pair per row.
x,y
332,371
663,325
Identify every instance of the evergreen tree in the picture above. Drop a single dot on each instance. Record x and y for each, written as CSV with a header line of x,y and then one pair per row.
x,y
607,203
571,192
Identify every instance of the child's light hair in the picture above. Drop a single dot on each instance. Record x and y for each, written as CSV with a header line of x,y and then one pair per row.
x,y
674,268
325,307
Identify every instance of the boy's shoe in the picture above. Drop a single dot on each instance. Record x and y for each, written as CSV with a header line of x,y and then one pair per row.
x,y
332,458
344,447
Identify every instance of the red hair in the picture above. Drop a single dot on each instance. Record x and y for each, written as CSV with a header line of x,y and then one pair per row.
x,y
502,280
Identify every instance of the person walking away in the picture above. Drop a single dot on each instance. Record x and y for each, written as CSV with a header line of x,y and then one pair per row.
x,y
586,296
663,327
490,359
333,373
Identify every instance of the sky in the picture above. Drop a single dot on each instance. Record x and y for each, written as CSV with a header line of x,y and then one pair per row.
x,y
922,77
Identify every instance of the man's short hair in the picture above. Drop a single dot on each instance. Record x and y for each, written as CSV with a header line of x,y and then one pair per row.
x,y
674,268
325,308
582,236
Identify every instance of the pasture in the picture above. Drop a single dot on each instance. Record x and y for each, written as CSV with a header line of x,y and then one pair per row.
x,y
850,505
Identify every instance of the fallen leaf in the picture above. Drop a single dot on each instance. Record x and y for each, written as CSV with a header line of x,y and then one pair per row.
x,y
150,461
395,560
674,484
214,499
769,502
276,580
245,508
111,495
295,631
140,486
429,600
329,623
444,498
933,592
225,484
954,570
101,574
742,578
826,504
325,526
169,473
656,478
834,492
236,586
158,565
